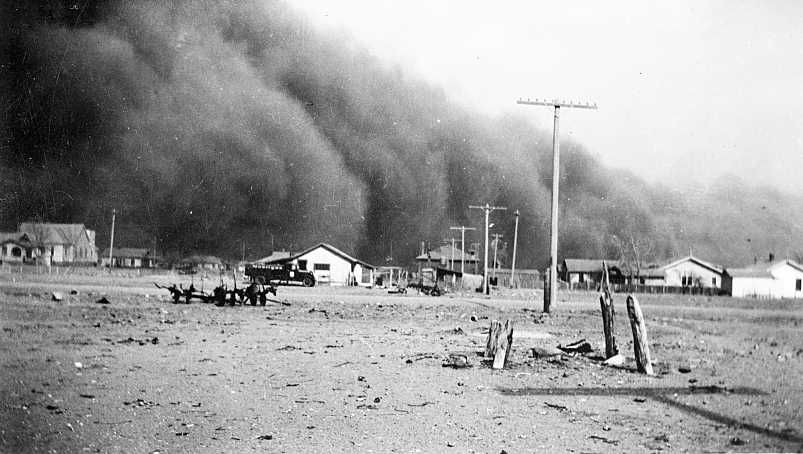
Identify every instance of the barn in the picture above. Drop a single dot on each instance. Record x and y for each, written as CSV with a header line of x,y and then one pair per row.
x,y
331,266
782,279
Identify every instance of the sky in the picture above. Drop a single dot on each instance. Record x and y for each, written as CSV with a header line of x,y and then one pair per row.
x,y
687,90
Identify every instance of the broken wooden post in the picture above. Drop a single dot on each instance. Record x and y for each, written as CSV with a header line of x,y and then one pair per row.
x,y
606,304
493,337
503,345
641,348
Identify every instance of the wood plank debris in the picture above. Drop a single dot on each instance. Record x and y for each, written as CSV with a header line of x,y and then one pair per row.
x,y
641,347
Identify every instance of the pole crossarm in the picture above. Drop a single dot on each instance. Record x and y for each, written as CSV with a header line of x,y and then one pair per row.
x,y
557,103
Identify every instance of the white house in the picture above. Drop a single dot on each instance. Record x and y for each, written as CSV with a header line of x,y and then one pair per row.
x,y
62,243
690,271
783,279
332,266
16,248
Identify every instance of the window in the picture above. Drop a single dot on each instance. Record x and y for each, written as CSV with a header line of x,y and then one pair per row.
x,y
714,281
799,284
321,267
302,264
683,281
16,252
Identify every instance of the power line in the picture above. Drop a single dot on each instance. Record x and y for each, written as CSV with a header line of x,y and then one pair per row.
x,y
488,208
550,295
462,229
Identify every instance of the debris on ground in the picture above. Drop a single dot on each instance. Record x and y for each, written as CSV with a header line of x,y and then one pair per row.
x,y
556,406
736,441
457,361
615,360
103,300
581,346
545,352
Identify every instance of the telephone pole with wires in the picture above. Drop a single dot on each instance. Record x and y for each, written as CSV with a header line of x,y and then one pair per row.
x,y
550,294
488,208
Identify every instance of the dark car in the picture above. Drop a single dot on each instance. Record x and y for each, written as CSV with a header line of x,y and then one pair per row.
x,y
279,274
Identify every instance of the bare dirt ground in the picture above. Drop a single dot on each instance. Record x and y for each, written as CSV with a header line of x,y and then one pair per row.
x,y
359,370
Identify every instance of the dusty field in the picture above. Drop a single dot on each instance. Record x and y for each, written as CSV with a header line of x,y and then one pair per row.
x,y
342,370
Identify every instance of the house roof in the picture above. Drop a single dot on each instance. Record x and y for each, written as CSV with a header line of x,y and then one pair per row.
x,y
655,273
446,252
276,255
44,233
15,237
199,259
130,252
588,265
762,270
326,246
693,259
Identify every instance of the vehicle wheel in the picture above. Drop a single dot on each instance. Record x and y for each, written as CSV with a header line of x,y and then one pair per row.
x,y
307,281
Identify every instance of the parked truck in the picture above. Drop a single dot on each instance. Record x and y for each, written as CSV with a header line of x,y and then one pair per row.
x,y
279,274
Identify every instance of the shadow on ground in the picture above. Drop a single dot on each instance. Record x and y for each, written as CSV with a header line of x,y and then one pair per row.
x,y
662,395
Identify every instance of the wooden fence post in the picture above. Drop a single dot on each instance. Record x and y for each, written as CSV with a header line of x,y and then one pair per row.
x,y
493,338
641,347
608,315
503,345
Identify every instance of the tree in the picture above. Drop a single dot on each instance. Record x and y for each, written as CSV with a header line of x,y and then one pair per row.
x,y
634,253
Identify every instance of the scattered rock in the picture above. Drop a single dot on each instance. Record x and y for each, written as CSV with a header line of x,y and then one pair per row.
x,y
736,441
265,437
73,292
103,300
640,400
473,318
78,365
456,361
57,296
615,360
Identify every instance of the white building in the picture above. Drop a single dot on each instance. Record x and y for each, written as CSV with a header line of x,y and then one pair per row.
x,y
331,266
16,248
783,279
692,272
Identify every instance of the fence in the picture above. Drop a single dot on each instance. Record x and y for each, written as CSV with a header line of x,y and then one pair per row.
x,y
651,289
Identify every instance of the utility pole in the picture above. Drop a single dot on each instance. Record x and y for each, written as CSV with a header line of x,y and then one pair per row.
x,y
462,229
550,295
475,247
488,208
496,246
111,242
515,239
451,267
